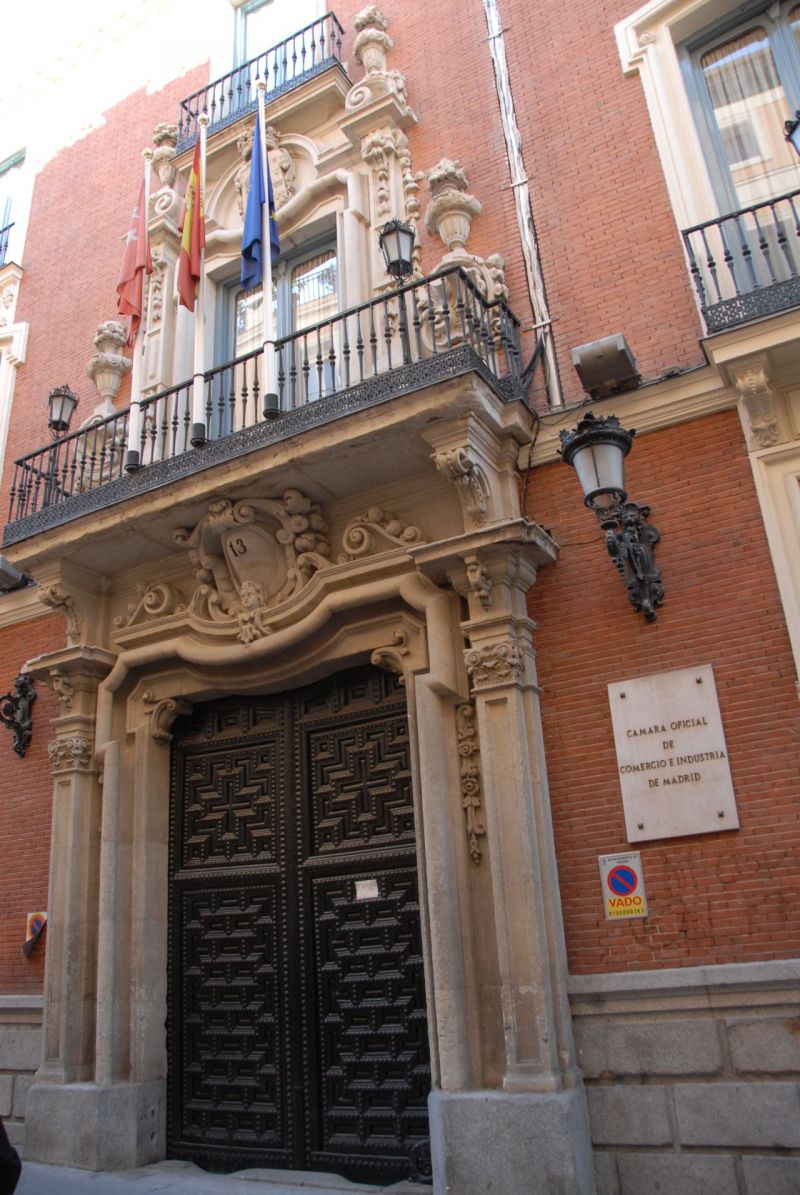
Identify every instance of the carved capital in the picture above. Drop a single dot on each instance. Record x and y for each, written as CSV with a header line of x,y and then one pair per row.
x,y
162,714
468,751
71,753
494,663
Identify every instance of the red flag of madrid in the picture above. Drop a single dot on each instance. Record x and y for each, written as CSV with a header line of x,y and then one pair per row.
x,y
193,240
135,261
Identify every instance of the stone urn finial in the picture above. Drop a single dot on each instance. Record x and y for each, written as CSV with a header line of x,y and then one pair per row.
x,y
372,41
165,139
108,367
451,209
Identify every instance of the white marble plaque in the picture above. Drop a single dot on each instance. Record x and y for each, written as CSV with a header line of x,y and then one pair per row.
x,y
671,755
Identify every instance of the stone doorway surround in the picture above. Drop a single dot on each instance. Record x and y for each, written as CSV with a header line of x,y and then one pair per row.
x,y
443,605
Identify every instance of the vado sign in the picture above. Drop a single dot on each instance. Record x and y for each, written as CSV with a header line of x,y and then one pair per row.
x,y
623,886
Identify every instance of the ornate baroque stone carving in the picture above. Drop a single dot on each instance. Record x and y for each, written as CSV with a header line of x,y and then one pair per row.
x,y
478,579
69,753
493,663
359,535
370,48
281,168
378,148
157,599
759,400
155,297
468,750
250,556
467,475
8,302
392,656
162,714
62,603
63,689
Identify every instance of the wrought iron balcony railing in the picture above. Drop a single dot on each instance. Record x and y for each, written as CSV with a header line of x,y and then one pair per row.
x,y
283,67
4,235
428,330
747,264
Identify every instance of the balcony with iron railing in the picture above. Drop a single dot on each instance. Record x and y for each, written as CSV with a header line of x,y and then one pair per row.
x,y
425,332
283,67
746,265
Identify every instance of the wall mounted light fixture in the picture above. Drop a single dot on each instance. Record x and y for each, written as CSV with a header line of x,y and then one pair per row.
x,y
15,712
397,246
61,403
596,449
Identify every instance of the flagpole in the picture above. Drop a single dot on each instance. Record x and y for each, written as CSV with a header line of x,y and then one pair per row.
x,y
271,399
198,434
132,456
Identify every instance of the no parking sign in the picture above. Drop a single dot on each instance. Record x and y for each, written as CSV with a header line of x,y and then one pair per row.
x,y
623,886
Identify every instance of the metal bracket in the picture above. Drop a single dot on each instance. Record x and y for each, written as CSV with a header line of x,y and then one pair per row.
x,y
15,712
631,540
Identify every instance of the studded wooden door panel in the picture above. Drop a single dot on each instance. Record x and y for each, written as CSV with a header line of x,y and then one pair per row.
x,y
297,1030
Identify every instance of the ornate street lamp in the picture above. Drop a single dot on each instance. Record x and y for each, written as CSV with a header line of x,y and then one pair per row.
x,y
596,449
397,246
792,132
62,403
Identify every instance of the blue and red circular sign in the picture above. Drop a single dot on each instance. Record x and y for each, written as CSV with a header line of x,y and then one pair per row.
x,y
622,880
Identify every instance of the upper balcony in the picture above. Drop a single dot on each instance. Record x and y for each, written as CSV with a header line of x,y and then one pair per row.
x,y
429,331
285,66
746,265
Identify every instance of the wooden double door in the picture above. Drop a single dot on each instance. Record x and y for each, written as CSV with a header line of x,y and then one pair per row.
x,y
297,1029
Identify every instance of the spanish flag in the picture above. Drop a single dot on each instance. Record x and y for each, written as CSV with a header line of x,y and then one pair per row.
x,y
193,241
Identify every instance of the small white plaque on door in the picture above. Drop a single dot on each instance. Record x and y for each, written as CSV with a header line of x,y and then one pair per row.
x,y
366,889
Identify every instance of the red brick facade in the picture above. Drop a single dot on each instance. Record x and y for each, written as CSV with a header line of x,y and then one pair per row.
x,y
724,898
27,797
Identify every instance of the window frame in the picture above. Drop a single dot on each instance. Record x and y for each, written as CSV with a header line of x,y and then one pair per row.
x,y
786,57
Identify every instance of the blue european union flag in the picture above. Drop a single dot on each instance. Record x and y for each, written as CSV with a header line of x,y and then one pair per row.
x,y
252,263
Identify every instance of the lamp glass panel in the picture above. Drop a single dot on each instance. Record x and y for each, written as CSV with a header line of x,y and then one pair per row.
x,y
600,467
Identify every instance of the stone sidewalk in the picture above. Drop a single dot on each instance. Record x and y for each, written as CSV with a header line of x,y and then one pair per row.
x,y
183,1178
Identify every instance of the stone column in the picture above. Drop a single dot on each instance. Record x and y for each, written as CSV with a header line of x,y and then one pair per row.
x,y
525,1130
70,973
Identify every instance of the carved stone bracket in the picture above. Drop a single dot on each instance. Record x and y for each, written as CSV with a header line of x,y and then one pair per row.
x,y
468,750
72,752
478,579
63,689
162,714
392,657
250,556
359,536
760,402
473,489
494,663
62,603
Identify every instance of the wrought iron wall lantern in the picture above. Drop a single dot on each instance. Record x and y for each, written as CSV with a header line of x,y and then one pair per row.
x,y
397,246
596,449
62,403
15,712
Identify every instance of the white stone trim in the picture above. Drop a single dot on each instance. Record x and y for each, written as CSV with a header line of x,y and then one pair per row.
x,y
647,42
13,349
706,983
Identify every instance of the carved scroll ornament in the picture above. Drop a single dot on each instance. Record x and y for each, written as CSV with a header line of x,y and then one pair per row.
x,y
362,534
